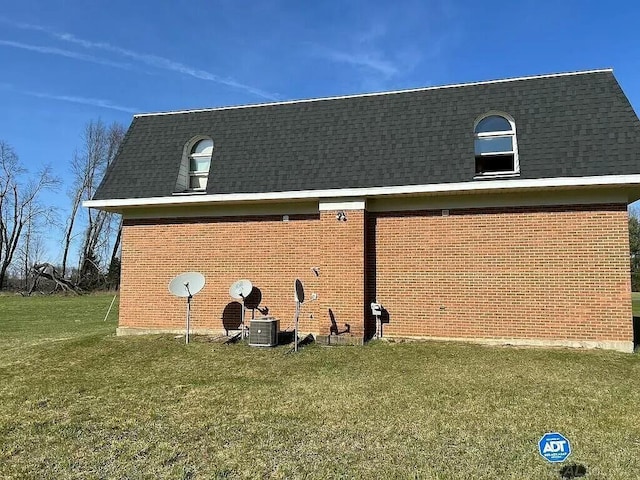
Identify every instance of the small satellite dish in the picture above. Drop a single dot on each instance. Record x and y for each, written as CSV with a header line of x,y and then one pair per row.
x,y
240,289
186,284
299,291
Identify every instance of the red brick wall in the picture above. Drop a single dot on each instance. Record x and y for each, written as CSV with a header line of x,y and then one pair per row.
x,y
545,273
533,273
266,250
342,291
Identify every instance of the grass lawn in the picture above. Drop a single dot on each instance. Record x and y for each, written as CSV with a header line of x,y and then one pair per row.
x,y
78,402
635,297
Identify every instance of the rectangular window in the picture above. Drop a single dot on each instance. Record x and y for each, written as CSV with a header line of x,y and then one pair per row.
x,y
197,164
488,164
198,182
494,145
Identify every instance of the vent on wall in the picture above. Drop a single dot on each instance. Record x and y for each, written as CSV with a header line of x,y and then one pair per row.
x,y
263,332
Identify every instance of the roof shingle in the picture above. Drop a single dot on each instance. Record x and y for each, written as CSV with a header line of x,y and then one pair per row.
x,y
569,125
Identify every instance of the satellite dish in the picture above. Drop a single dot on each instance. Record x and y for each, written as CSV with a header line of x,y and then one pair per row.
x,y
299,291
186,284
240,289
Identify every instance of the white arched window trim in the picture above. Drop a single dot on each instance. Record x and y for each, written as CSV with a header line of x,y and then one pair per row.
x,y
483,155
194,170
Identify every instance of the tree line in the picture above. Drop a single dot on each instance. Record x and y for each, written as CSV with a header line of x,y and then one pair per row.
x,y
90,239
634,250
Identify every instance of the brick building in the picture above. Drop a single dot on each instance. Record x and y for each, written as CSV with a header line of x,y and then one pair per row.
x,y
490,212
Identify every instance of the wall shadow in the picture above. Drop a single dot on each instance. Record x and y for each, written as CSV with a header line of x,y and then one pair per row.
x,y
333,329
232,313
252,302
370,273
385,318
285,337
636,332
232,316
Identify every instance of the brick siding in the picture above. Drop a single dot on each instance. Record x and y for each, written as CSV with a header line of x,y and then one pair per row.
x,y
539,273
270,252
342,277
545,273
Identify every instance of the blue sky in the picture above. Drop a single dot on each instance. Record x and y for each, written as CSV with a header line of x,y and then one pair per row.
x,y
63,63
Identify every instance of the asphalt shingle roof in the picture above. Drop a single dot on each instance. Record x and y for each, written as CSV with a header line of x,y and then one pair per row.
x,y
570,125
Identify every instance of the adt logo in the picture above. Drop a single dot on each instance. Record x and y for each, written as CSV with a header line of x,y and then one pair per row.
x,y
554,447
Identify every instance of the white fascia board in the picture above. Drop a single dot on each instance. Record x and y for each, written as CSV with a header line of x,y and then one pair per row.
x,y
477,186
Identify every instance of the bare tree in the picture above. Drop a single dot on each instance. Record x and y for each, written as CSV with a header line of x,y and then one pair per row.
x,y
116,135
32,252
75,192
32,249
19,203
99,147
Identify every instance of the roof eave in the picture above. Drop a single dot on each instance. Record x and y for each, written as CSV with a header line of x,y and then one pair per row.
x,y
631,182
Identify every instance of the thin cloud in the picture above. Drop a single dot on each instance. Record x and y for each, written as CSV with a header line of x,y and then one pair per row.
x,y
155,61
65,53
367,60
93,102
164,63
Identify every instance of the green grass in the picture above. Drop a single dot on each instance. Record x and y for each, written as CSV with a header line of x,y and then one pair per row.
x,y
78,402
635,297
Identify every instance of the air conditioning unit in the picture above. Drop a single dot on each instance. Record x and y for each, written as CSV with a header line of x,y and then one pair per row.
x,y
263,332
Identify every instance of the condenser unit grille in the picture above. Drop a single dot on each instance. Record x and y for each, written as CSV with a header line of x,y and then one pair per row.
x,y
263,332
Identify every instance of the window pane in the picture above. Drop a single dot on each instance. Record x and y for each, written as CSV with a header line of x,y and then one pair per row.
x,y
204,147
493,123
494,163
494,145
197,182
199,164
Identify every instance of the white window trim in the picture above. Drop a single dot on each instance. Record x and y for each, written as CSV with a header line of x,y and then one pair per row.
x,y
496,134
197,173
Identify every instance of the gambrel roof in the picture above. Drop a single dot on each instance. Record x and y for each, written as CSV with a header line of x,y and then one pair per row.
x,y
568,125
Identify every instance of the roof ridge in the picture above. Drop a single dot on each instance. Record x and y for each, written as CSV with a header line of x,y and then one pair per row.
x,y
373,94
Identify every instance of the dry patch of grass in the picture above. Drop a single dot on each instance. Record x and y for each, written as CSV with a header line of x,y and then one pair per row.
x,y
92,405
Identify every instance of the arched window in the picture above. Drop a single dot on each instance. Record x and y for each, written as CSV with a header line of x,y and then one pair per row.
x,y
496,148
199,164
195,165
